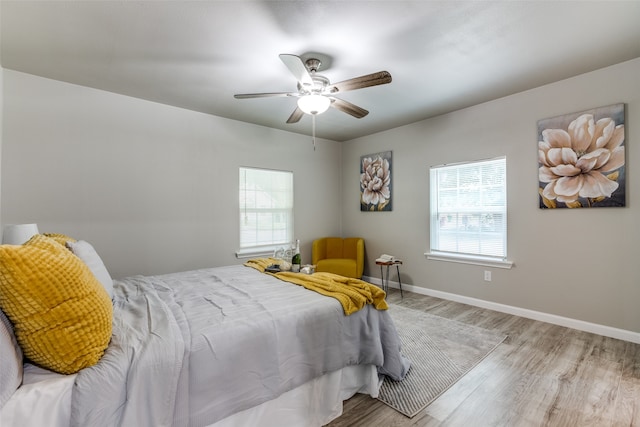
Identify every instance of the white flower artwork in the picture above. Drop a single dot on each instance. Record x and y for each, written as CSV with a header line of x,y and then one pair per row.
x,y
375,182
581,159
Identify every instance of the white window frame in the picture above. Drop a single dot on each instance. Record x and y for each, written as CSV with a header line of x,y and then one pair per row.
x,y
479,232
266,193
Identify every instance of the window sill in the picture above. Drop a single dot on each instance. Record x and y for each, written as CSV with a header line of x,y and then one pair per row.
x,y
255,252
466,259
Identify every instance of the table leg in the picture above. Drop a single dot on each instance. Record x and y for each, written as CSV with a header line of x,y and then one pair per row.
x,y
387,287
382,278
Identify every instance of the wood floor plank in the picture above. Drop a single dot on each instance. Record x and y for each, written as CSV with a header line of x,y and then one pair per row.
x,y
541,375
627,405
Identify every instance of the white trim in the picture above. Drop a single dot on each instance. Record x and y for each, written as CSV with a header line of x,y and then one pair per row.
x,y
469,259
470,162
607,331
255,252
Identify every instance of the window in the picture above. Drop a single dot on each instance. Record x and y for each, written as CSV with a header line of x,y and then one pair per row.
x,y
266,210
469,212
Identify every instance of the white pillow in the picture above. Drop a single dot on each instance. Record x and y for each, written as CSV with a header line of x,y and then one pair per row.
x,y
10,361
88,254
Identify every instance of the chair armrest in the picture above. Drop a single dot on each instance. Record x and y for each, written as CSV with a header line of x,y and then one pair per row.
x,y
354,249
360,258
318,250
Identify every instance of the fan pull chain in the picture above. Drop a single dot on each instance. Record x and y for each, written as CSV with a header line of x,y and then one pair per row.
x,y
313,131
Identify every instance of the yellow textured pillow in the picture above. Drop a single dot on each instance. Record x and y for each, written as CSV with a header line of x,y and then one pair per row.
x,y
60,312
60,238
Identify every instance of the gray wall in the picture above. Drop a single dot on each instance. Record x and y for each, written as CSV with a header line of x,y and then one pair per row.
x,y
581,264
154,188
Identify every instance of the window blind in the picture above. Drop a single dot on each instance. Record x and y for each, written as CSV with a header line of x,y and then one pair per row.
x,y
266,208
469,208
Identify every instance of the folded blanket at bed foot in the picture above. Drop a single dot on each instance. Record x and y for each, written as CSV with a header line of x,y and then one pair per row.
x,y
353,294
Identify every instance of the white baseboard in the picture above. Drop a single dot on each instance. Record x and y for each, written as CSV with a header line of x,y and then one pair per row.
x,y
580,325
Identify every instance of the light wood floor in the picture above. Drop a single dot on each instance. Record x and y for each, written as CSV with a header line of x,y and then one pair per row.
x,y
541,375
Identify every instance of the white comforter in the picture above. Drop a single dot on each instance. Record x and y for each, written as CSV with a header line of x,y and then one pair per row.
x,y
189,349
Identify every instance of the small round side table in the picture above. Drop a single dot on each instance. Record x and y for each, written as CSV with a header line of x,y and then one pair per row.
x,y
385,282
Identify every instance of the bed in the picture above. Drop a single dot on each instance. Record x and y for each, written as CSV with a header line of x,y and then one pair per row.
x,y
225,346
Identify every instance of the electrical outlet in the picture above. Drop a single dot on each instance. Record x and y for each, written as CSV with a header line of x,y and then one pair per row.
x,y
487,276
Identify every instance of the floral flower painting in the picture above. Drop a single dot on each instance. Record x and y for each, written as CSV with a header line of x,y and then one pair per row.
x,y
375,182
581,159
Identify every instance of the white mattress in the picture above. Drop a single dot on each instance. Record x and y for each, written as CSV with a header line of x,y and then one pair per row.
x,y
45,399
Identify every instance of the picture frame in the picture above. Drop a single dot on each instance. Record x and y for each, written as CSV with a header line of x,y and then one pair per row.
x,y
376,182
581,159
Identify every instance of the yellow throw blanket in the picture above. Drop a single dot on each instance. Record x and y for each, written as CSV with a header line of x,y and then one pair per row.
x,y
353,294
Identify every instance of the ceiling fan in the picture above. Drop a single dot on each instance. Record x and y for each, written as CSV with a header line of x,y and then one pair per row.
x,y
315,92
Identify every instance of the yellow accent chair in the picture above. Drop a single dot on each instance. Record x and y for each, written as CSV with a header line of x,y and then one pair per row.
x,y
340,256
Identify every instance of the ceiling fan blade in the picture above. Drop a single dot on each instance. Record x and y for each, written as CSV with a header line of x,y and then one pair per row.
x,y
263,95
295,116
374,79
298,69
349,108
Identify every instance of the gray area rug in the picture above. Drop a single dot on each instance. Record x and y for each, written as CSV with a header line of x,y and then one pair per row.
x,y
441,352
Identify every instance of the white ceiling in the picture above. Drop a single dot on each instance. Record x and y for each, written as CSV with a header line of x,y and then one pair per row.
x,y
443,55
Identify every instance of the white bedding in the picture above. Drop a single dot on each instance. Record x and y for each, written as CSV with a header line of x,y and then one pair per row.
x,y
223,347
312,404
44,399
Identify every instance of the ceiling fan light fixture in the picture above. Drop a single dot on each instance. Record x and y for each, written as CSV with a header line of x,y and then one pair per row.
x,y
314,104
